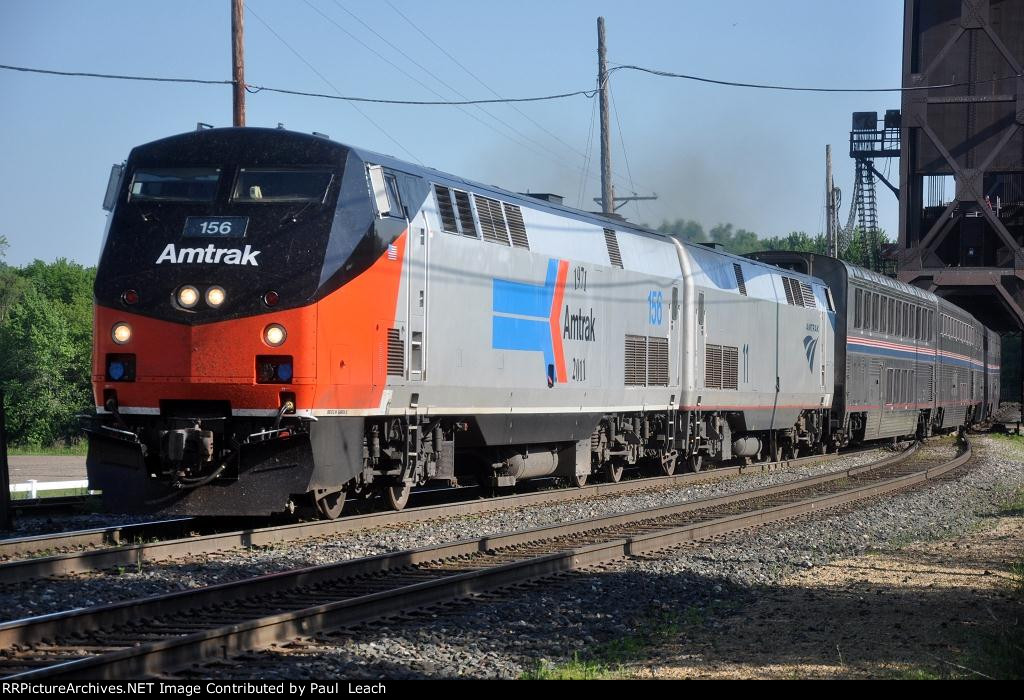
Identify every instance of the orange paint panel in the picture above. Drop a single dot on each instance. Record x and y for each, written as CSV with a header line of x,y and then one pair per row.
x,y
358,316
338,346
215,361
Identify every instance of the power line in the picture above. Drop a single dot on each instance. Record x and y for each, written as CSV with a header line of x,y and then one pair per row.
x,y
499,100
331,85
23,69
491,90
542,153
440,80
625,156
794,88
264,88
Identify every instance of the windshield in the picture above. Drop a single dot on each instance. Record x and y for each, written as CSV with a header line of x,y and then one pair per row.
x,y
278,185
175,184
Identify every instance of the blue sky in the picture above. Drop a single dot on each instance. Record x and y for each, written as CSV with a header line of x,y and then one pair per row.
x,y
715,154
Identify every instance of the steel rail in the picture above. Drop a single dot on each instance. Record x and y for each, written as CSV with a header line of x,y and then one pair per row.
x,y
150,656
136,554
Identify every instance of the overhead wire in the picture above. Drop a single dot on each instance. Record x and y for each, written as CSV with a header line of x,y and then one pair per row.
x,y
428,88
587,160
433,75
625,157
485,84
331,85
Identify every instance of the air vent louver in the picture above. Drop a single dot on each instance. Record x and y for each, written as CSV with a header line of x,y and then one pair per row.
x,y
740,283
612,242
396,354
636,360
514,217
657,361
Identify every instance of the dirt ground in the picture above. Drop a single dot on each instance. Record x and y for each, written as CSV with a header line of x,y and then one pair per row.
x,y
932,609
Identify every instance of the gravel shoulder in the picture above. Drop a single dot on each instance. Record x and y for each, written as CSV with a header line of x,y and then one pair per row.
x,y
926,610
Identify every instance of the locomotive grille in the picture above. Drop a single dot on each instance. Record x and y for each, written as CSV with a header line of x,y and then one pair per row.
x,y
514,217
740,283
396,354
445,208
492,221
465,213
721,367
730,367
713,366
635,373
787,285
808,296
612,242
657,361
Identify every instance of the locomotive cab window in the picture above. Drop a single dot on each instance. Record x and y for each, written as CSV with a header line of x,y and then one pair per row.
x,y
175,184
269,186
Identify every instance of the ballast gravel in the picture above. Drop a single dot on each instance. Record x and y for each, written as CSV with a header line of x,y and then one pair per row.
x,y
643,600
150,578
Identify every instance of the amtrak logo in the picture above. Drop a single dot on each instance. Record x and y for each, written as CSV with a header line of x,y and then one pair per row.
x,y
209,254
810,345
526,317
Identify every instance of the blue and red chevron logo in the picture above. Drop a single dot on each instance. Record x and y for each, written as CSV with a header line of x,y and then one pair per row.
x,y
526,317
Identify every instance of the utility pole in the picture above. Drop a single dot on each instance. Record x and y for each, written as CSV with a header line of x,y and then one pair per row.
x,y
6,513
607,189
238,61
830,206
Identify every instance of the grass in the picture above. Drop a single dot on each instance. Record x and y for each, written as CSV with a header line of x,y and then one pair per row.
x,y
76,450
607,661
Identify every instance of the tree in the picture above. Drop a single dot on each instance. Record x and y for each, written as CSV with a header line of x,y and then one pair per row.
x,y
45,349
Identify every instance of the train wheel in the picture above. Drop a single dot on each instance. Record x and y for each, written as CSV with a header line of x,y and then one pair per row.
x,y
695,463
398,496
579,480
613,472
668,466
330,505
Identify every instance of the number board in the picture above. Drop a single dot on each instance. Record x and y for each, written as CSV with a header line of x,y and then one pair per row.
x,y
216,227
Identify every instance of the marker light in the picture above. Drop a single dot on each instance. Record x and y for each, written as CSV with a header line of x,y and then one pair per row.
x,y
188,296
215,296
130,297
274,334
271,298
121,333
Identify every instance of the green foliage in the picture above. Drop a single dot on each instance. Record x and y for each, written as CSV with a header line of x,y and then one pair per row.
x,y
741,241
45,350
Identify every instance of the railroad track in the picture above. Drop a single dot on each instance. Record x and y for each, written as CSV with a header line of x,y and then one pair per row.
x,y
155,635
130,545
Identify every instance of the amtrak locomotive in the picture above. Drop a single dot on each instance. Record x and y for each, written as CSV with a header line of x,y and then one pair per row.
x,y
283,322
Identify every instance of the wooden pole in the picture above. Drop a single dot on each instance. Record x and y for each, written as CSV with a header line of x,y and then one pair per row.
x,y
6,513
238,61
607,189
830,206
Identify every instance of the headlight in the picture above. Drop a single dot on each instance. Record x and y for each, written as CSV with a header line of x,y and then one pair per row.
x,y
274,335
215,296
121,333
188,296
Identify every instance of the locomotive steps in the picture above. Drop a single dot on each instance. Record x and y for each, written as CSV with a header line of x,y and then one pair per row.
x,y
154,635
